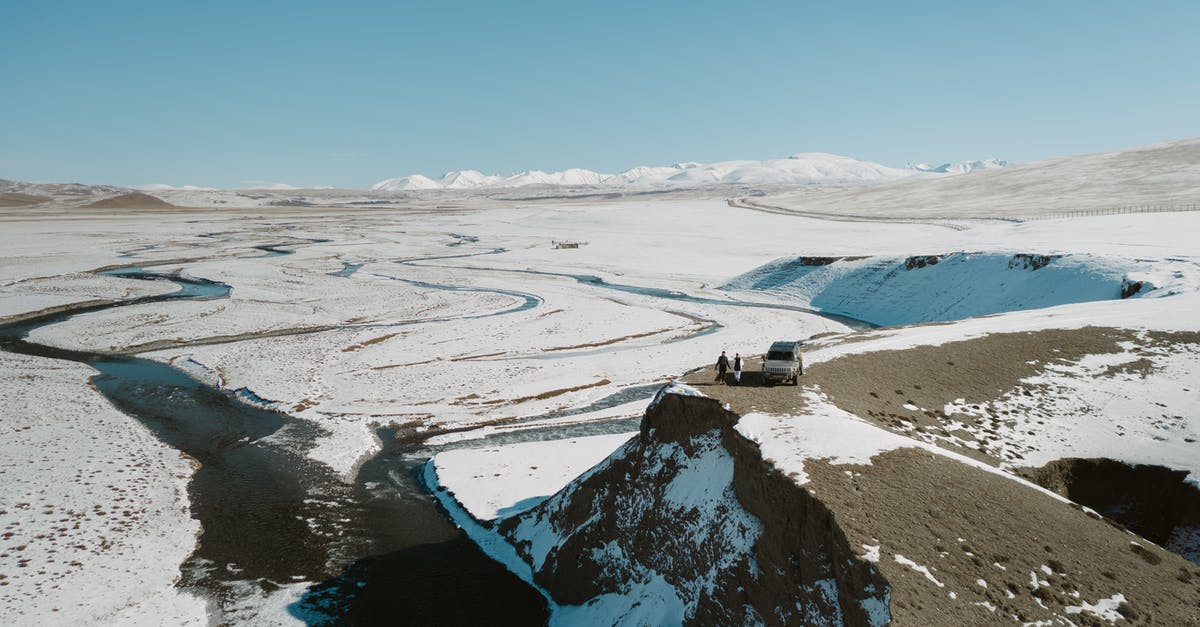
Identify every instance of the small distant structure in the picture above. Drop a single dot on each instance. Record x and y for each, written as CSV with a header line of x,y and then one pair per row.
x,y
562,245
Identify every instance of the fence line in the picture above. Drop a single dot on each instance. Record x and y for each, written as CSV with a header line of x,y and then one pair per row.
x,y
955,222
1119,210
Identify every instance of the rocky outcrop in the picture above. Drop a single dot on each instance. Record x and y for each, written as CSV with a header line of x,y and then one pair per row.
x,y
688,524
920,261
709,517
1131,287
1027,261
823,261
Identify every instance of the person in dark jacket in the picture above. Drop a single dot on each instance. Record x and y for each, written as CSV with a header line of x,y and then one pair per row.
x,y
722,366
737,369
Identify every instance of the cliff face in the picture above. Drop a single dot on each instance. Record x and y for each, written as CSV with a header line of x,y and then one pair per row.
x,y
819,518
688,524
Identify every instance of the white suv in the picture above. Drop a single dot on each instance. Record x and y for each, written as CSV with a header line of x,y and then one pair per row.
x,y
783,362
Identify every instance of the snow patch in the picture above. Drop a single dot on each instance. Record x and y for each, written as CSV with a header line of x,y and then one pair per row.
x,y
1104,609
674,387
1043,427
872,554
825,432
985,605
904,561
502,481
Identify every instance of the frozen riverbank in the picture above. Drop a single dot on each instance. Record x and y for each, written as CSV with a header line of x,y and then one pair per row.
x,y
95,512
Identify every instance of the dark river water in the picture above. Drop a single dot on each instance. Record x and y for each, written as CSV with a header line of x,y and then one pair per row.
x,y
380,550
655,292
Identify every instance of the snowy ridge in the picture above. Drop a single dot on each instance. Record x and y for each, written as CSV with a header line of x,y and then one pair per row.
x,y
1155,175
935,288
800,169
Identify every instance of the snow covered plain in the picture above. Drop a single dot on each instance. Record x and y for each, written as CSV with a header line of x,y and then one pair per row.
x,y
94,508
436,330
459,323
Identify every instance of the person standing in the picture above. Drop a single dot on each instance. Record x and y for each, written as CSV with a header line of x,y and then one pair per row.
x,y
722,366
737,369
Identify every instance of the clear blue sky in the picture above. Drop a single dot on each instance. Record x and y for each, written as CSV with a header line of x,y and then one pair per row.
x,y
228,94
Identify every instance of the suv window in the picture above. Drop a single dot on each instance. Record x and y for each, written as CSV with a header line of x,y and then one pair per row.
x,y
780,356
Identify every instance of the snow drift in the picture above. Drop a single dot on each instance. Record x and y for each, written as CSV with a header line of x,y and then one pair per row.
x,y
936,288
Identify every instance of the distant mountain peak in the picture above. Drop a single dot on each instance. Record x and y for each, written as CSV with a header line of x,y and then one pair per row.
x,y
403,183
959,168
802,168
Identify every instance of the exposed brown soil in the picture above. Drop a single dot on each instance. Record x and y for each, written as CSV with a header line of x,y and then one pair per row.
x,y
304,404
50,310
607,342
366,343
547,394
752,395
17,199
415,363
876,385
998,551
966,524
471,357
132,200
155,345
918,505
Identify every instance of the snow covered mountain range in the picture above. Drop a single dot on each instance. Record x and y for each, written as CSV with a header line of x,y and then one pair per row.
x,y
959,168
799,169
